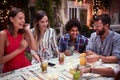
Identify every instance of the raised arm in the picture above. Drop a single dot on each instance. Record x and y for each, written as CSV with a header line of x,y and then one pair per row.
x,y
29,37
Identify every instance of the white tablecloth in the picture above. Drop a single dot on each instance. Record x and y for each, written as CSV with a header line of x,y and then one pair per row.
x,y
57,72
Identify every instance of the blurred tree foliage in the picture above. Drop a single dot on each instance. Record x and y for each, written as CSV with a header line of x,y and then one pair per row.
x,y
85,31
48,6
23,4
6,5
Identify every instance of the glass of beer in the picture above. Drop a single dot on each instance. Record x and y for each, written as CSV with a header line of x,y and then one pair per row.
x,y
44,65
61,58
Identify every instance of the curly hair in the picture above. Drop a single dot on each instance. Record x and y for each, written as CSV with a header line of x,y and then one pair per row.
x,y
71,23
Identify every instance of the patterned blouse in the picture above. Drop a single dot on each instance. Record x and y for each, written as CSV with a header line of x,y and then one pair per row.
x,y
48,47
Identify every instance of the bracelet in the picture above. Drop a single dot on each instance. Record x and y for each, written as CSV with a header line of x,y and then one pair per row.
x,y
90,70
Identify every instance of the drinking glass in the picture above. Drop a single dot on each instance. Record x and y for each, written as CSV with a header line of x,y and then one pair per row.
x,y
61,58
71,48
44,65
71,71
83,60
76,75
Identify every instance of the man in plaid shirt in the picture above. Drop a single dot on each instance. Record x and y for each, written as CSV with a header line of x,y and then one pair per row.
x,y
72,41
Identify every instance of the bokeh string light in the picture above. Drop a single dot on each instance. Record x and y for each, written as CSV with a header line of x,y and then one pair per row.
x,y
4,11
96,6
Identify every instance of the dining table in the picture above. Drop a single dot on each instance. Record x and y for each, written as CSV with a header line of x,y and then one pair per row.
x,y
57,71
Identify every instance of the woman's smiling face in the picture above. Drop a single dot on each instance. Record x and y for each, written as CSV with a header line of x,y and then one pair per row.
x,y
18,21
43,23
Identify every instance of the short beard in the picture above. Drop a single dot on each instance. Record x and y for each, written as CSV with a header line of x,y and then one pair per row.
x,y
101,32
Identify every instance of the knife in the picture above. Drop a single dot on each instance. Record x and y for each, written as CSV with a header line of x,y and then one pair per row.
x,y
36,75
23,77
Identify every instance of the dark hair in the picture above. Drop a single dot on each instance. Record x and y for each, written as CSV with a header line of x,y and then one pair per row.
x,y
105,18
13,12
71,23
39,15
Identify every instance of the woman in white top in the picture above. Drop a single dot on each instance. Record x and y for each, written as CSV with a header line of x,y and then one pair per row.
x,y
45,38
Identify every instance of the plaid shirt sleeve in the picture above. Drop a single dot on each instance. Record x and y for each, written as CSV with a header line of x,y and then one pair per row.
x,y
81,43
63,42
